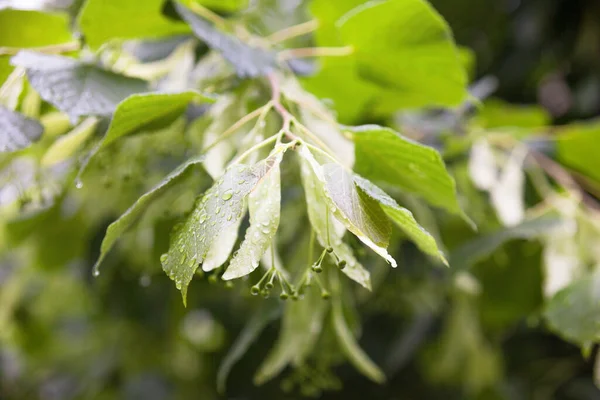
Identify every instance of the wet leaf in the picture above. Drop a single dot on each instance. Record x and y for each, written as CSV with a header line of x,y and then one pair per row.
x,y
264,205
76,88
133,214
220,207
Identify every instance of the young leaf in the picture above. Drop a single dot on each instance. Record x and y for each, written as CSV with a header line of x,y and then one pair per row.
x,y
319,214
220,207
573,312
103,20
248,61
350,348
17,131
577,148
402,217
76,88
360,214
264,206
384,155
125,221
300,328
405,47
259,321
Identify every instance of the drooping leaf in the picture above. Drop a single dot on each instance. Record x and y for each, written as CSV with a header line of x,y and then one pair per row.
x,y
220,207
76,88
319,214
350,348
405,47
264,205
480,247
573,312
260,319
17,131
103,20
384,155
301,325
401,217
125,221
65,146
248,61
360,214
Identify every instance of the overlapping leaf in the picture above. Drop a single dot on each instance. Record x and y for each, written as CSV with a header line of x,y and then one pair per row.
x,y
264,205
319,214
360,214
401,217
220,207
76,88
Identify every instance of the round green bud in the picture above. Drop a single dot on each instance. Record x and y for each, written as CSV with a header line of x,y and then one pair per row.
x,y
342,264
255,290
329,249
283,296
269,285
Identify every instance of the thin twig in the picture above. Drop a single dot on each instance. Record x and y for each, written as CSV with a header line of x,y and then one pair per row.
x,y
207,14
51,49
305,52
241,122
276,101
293,31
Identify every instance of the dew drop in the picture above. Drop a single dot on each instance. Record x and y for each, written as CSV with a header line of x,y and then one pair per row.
x,y
218,210
78,184
163,258
227,196
96,272
333,209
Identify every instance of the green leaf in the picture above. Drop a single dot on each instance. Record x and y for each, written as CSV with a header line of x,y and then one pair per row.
x,y
145,110
104,20
17,131
360,214
319,214
384,155
402,217
405,47
259,321
220,207
498,114
264,205
573,312
222,247
133,214
21,29
300,328
577,148
477,249
76,88
248,61
350,348
66,145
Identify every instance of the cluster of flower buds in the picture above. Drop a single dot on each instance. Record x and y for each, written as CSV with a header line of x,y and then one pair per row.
x,y
266,284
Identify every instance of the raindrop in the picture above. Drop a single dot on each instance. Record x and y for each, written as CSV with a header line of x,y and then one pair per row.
x,y
163,258
229,217
227,196
96,272
218,210
78,184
